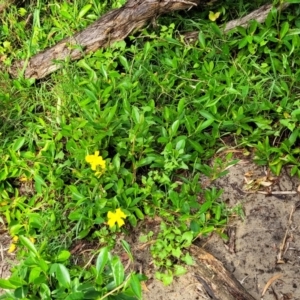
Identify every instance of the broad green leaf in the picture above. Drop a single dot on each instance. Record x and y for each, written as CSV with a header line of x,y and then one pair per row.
x,y
28,244
124,62
145,161
63,256
205,206
139,213
117,270
196,146
21,292
34,274
63,276
136,286
111,113
38,183
284,29
187,238
18,143
180,106
204,125
135,115
174,128
84,10
117,162
5,284
188,259
102,260
76,194
179,270
167,278
201,39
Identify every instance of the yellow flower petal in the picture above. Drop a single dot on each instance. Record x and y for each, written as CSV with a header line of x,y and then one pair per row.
x,y
12,248
15,238
95,161
214,16
116,217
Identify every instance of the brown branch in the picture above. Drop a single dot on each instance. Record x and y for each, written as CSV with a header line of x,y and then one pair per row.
x,y
113,26
259,15
218,283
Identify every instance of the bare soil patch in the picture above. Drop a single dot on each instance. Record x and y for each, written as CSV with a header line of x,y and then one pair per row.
x,y
265,244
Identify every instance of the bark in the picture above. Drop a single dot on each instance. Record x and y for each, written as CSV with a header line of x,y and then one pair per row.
x,y
113,26
259,15
218,283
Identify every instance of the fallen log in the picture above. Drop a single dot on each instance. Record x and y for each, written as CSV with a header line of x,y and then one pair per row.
x,y
113,26
218,283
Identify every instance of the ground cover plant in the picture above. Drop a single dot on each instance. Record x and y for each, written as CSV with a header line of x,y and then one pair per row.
x,y
125,133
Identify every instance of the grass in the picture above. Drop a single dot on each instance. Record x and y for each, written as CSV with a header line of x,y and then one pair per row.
x,y
157,110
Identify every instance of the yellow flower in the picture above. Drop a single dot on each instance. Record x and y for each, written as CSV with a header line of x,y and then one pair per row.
x,y
214,16
116,217
12,248
95,161
15,238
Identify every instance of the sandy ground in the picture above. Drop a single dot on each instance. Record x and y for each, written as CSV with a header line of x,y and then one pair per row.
x,y
271,222
265,244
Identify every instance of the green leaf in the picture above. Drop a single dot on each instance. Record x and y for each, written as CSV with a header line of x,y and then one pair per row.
x,y
180,106
5,284
205,206
136,286
117,270
63,256
167,278
124,62
34,274
117,162
126,247
176,252
201,39
84,10
284,29
188,259
111,113
187,238
102,260
28,244
39,182
145,161
18,143
179,270
75,193
135,115
138,213
174,128
196,146
204,125
63,276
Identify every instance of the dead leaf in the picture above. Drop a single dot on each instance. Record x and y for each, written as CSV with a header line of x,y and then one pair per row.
x,y
271,280
144,286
